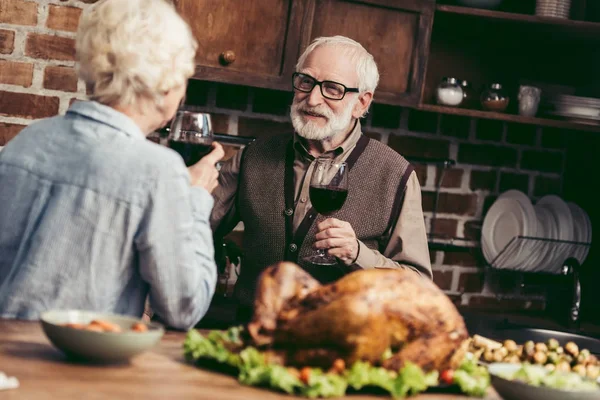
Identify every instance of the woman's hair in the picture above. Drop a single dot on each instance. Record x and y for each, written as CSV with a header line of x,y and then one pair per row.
x,y
368,75
131,52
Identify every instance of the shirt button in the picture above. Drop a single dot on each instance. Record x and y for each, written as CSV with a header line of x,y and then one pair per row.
x,y
289,212
293,247
303,200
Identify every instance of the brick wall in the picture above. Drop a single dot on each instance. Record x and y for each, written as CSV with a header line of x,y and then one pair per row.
x,y
37,79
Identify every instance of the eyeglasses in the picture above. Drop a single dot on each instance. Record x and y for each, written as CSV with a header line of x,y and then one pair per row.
x,y
329,89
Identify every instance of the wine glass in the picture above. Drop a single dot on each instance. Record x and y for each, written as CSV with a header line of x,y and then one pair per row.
x,y
191,135
328,191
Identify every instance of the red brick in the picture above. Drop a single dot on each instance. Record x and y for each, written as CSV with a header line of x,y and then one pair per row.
x,y
455,125
451,203
422,121
60,78
263,128
498,156
546,185
509,180
385,116
443,279
470,282
444,227
483,180
27,105
267,101
220,123
472,230
18,12
63,18
432,256
8,131
525,134
16,73
492,303
7,41
543,161
50,47
421,170
452,177
467,258
489,129
410,146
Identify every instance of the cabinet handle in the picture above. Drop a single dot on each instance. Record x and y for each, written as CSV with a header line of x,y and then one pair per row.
x,y
227,57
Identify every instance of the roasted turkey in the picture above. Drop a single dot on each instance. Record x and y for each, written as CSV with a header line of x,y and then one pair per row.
x,y
358,317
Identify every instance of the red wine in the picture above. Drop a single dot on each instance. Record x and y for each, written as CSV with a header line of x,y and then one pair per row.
x,y
327,199
190,152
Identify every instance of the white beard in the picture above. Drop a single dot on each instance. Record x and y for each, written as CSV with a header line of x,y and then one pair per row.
x,y
310,130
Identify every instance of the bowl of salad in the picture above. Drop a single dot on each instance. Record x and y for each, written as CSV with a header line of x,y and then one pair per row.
x,y
534,382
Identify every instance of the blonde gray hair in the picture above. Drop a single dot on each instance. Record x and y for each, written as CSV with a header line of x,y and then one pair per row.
x,y
131,52
368,75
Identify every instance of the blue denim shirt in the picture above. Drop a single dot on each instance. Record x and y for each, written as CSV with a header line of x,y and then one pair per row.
x,y
93,216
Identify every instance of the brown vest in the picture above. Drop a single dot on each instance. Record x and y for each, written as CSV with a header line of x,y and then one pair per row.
x,y
376,179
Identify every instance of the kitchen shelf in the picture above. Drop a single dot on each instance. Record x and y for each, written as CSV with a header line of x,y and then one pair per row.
x,y
556,123
584,27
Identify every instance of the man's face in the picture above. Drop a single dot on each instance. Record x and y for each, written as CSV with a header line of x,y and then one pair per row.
x,y
315,117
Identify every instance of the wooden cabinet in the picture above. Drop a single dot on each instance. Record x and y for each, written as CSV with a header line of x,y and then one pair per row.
x,y
257,43
395,32
243,42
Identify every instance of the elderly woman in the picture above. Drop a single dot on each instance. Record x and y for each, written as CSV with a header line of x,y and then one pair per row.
x,y
93,215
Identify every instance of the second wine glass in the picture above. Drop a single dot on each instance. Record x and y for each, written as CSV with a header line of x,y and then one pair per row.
x,y
328,192
191,135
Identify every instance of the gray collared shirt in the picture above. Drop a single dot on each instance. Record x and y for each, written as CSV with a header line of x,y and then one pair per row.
x,y
93,216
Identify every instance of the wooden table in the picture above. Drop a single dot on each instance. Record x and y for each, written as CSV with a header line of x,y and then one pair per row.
x,y
45,373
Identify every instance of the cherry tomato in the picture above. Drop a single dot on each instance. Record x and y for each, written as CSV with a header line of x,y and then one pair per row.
x,y
447,376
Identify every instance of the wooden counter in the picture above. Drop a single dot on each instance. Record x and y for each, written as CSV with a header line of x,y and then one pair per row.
x,y
45,373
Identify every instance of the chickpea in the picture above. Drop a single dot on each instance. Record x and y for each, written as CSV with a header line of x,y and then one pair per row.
x,y
502,351
553,357
541,347
572,349
563,366
513,359
529,347
567,358
560,350
592,371
519,351
550,367
540,357
498,356
553,344
592,359
582,358
580,369
510,345
488,355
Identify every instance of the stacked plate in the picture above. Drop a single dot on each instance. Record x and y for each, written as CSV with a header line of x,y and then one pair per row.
x,y
520,236
575,107
553,8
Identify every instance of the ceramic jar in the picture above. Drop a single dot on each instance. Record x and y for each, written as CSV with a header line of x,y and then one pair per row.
x,y
449,92
494,98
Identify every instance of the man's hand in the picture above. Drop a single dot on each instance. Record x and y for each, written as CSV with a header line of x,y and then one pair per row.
x,y
338,239
204,173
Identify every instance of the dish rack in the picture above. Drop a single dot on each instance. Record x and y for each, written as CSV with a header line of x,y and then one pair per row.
x,y
560,265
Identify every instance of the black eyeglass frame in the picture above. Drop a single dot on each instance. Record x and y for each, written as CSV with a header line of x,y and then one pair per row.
x,y
320,84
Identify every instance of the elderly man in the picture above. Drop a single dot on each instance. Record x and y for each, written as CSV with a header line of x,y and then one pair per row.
x,y
93,215
266,187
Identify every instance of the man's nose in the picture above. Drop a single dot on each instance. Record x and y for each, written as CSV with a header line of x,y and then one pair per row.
x,y
315,97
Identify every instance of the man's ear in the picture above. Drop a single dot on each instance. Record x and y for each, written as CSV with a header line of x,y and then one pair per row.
x,y
362,105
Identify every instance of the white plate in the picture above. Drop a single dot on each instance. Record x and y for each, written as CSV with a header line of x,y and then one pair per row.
x,y
524,250
505,220
582,231
564,221
545,251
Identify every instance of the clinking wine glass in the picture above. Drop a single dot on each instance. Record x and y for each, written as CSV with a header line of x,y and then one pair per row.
x,y
191,135
328,192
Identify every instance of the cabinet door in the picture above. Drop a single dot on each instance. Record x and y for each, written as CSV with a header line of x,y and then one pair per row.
x,y
395,32
239,41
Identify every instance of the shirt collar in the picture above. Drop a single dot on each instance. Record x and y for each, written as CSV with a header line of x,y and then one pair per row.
x,y
108,116
345,146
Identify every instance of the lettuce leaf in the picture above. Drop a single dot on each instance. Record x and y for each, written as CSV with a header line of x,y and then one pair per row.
x,y
253,369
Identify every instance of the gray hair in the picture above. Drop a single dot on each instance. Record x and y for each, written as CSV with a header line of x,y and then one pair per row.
x,y
131,52
368,75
